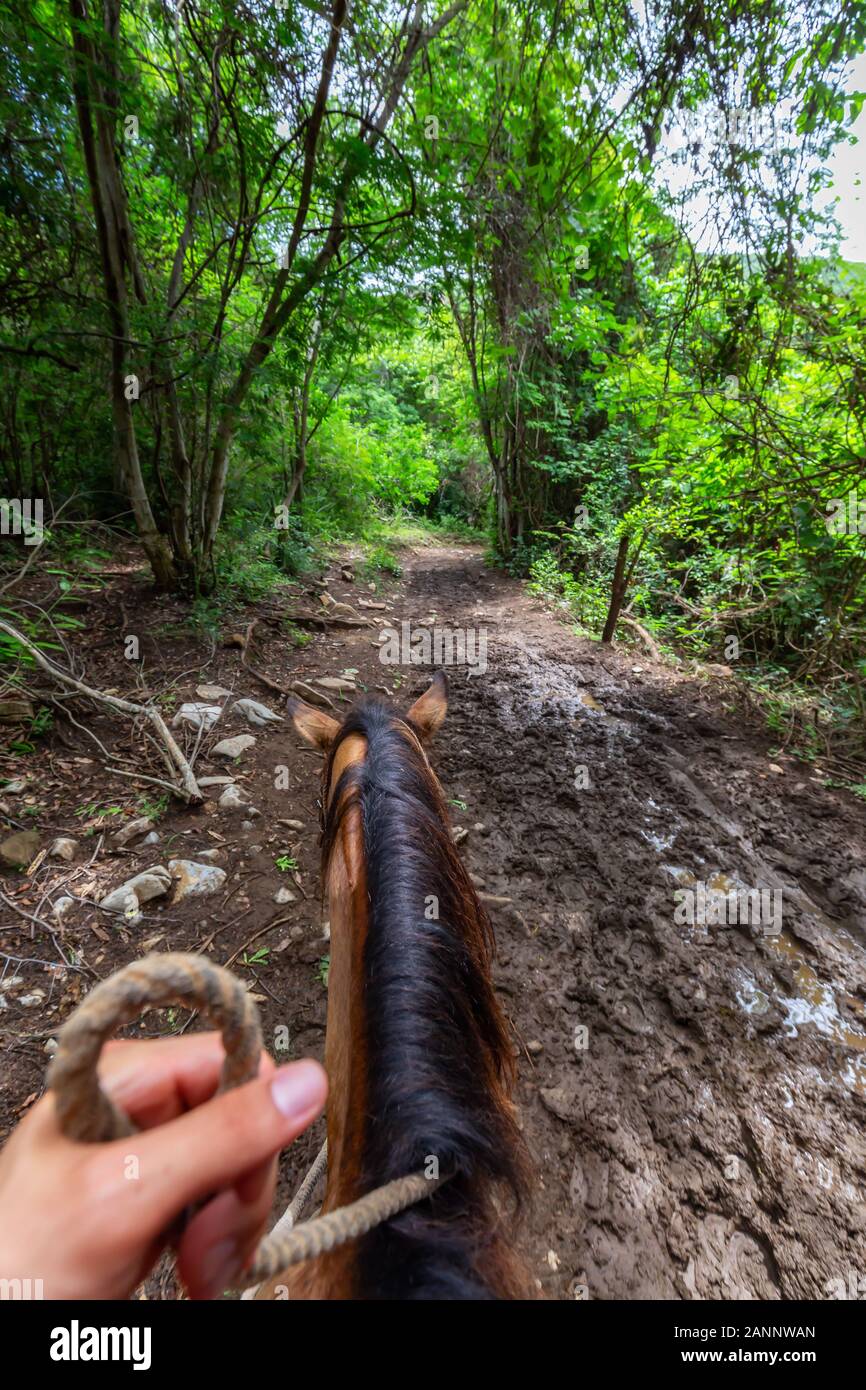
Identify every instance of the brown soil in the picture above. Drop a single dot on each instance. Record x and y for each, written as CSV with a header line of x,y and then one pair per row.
x,y
703,1136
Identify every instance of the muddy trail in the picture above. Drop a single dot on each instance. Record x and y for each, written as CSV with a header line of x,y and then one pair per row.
x,y
692,1094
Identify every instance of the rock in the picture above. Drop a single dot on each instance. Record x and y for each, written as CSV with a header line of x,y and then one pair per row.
x,y
15,788
63,848
215,781
337,683
63,907
292,824
534,1047
32,1000
131,831
49,1047
200,716
210,856
256,713
285,895
18,850
211,692
152,839
231,799
247,825
233,747
312,697
152,883
13,711
458,834
559,1100
481,828
193,879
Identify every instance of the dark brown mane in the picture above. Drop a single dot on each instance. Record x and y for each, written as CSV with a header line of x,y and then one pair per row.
x,y
439,1061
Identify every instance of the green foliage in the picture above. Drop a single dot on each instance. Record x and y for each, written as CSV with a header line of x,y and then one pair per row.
x,y
499,317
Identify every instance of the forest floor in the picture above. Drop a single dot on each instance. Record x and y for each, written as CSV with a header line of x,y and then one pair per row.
x,y
703,1136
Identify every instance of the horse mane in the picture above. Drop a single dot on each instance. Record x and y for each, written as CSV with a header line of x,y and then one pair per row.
x,y
439,1061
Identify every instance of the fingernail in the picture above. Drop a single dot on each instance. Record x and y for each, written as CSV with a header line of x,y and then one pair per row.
x,y
219,1267
297,1088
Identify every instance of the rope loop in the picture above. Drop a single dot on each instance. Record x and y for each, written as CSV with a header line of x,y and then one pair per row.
x,y
84,1110
87,1115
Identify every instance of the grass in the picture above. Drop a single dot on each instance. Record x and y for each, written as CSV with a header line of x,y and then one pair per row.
x,y
259,957
298,637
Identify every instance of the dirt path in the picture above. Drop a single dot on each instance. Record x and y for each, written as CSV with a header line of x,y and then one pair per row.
x,y
707,1140
693,1099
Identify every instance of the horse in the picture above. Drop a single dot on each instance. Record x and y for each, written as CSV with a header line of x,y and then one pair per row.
x,y
418,1058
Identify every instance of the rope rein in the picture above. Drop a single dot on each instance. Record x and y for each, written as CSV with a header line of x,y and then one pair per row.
x,y
87,1115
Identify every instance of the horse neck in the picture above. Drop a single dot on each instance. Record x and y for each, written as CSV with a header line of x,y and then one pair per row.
x,y
345,1037
364,900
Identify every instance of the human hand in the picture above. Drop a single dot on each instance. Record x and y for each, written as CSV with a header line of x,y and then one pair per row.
x,y
90,1220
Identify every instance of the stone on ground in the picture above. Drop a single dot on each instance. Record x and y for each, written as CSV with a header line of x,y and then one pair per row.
x,y
17,850
233,747
195,880
131,830
256,713
63,848
200,716
152,883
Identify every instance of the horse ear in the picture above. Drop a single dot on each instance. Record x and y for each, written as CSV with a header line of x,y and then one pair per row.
x,y
428,711
312,724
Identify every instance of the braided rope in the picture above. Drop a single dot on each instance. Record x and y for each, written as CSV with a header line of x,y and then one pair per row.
x,y
84,1110
87,1114
335,1228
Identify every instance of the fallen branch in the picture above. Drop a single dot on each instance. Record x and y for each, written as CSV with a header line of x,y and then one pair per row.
x,y
647,640
141,777
314,620
723,615
266,681
189,788
277,922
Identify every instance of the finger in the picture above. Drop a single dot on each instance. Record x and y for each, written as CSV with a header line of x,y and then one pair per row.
x,y
223,1236
211,1148
156,1079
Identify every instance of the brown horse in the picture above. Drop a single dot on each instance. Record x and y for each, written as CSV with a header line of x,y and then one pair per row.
x,y
416,1051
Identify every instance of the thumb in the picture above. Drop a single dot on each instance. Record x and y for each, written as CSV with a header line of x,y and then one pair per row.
x,y
212,1146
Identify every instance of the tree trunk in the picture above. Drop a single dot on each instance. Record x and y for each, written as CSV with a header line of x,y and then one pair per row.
x,y
112,226
617,592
